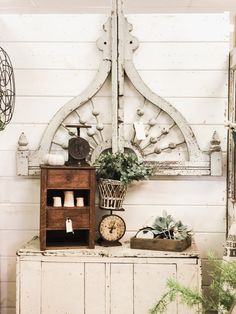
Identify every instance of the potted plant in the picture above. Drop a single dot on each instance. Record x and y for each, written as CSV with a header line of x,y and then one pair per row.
x,y
115,172
164,234
221,297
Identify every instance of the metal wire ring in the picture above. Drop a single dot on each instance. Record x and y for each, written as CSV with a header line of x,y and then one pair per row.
x,y
7,89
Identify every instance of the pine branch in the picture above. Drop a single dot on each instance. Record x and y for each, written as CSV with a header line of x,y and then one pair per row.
x,y
222,291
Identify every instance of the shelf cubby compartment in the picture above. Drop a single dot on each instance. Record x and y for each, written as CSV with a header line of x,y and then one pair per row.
x,y
56,217
61,239
60,193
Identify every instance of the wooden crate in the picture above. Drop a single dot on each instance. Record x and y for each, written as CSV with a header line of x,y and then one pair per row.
x,y
160,244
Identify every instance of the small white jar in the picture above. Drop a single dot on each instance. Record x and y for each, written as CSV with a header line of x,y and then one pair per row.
x,y
57,201
69,199
79,201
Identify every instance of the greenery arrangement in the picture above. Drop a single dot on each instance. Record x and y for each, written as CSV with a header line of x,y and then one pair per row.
x,y
222,294
124,167
167,228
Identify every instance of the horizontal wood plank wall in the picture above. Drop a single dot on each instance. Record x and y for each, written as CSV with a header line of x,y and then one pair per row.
x,y
55,58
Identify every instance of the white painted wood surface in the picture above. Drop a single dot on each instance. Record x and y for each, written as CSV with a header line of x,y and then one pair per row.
x,y
188,281
45,27
31,285
231,142
154,276
172,27
95,286
62,288
103,280
197,89
122,283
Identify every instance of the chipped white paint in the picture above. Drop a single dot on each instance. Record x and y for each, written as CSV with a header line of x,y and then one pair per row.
x,y
22,156
231,143
103,280
36,157
118,46
233,59
216,156
194,152
114,75
121,75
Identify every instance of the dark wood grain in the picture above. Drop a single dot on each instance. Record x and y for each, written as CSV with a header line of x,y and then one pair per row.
x,y
56,218
160,244
43,201
68,178
54,181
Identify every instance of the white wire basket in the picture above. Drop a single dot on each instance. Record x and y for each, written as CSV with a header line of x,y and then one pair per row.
x,y
111,194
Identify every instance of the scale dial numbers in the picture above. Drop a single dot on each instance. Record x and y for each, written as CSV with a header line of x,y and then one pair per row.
x,y
112,228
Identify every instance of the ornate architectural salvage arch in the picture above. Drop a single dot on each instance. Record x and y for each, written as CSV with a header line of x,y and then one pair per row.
x,y
118,133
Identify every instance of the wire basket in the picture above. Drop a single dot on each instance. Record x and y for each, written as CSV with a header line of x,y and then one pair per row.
x,y
7,89
112,194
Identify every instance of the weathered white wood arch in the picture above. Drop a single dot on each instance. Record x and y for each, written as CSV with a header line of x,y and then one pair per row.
x,y
98,81
117,46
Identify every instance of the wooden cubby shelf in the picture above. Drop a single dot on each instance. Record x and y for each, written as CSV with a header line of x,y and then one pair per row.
x,y
54,181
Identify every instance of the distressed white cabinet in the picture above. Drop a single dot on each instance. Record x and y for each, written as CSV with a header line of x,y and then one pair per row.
x,y
116,280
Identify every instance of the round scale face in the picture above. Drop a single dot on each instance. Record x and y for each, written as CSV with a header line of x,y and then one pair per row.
x,y
112,228
78,148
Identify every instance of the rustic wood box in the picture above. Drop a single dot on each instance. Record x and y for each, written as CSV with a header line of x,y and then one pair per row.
x,y
160,244
55,180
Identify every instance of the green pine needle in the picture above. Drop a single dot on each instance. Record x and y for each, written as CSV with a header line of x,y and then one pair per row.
x,y
222,290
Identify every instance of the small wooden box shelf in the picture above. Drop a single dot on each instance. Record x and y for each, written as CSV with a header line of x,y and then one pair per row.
x,y
54,181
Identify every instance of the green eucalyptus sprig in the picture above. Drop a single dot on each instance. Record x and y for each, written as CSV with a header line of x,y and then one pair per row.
x,y
169,228
124,167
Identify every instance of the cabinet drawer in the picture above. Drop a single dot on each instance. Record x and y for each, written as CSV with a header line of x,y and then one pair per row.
x,y
68,178
56,218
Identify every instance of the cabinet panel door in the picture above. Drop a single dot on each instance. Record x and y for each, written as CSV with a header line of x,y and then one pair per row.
x,y
95,288
121,292
30,282
149,284
189,276
62,288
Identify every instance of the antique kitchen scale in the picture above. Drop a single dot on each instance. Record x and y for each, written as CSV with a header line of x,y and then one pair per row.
x,y
111,229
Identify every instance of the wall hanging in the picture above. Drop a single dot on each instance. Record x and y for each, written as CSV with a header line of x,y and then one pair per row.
x,y
7,89
153,129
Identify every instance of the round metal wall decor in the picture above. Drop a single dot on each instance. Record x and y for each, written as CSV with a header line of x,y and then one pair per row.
x,y
7,89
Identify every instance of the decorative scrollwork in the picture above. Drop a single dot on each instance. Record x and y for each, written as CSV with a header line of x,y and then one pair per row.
x,y
168,142
7,89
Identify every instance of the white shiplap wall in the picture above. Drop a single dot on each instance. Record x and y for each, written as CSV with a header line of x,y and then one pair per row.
x,y
182,57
